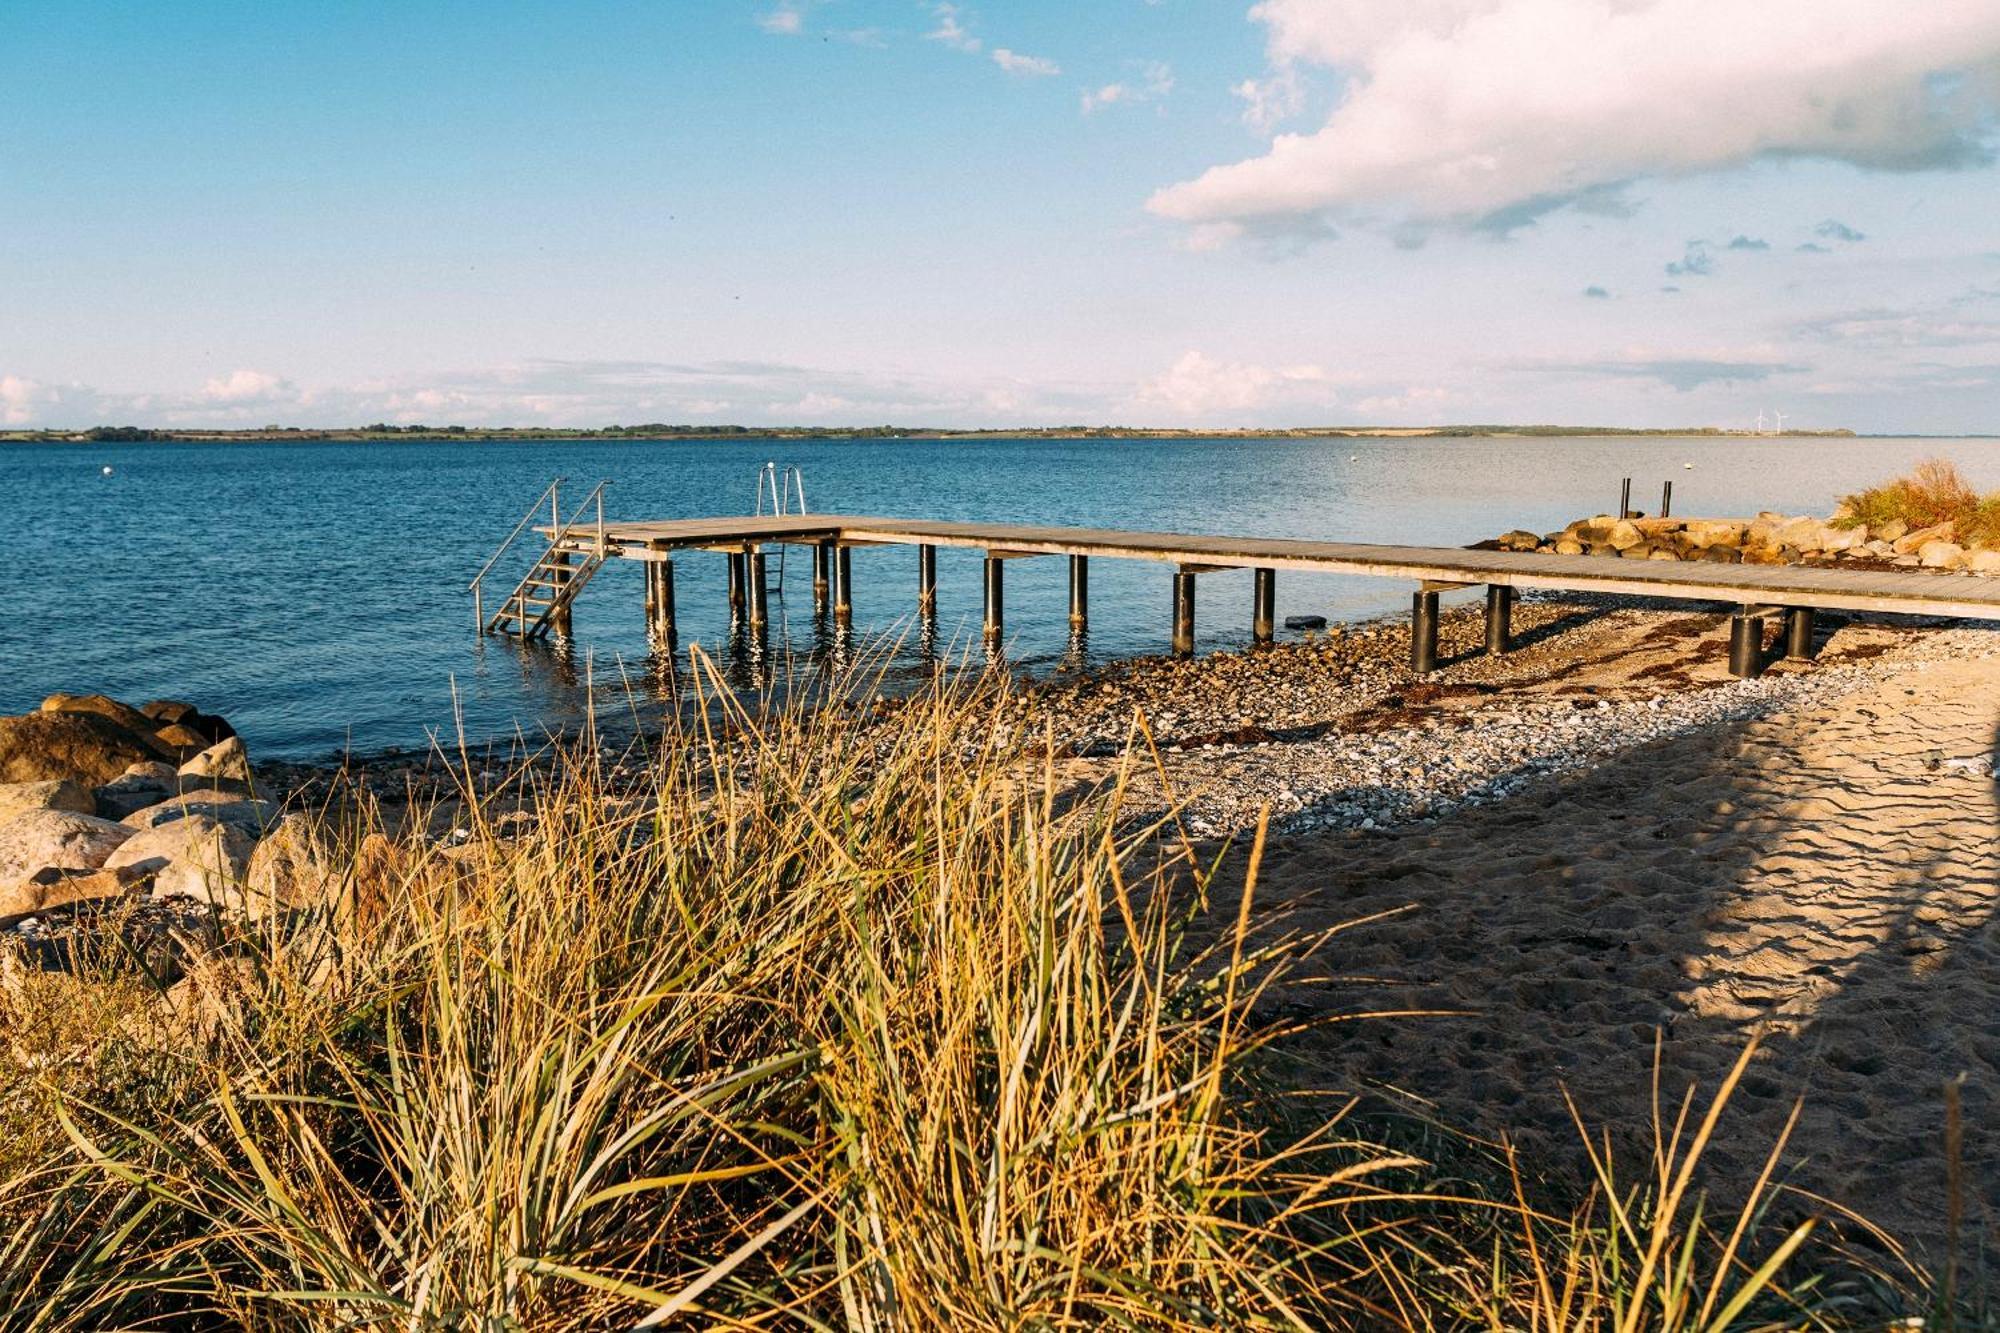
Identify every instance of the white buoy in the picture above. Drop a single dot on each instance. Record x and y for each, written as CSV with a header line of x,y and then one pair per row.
x,y
1688,466
107,471
1354,458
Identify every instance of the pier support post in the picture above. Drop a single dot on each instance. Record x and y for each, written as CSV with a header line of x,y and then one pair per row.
x,y
1424,632
1183,613
843,586
1746,644
737,578
926,582
1263,605
822,567
1499,619
559,621
1799,633
1079,591
660,631
996,601
760,592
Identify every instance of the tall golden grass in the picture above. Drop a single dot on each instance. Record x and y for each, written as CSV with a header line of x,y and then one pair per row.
x,y
837,1020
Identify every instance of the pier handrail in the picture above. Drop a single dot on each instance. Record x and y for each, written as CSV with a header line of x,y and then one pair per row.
x,y
548,494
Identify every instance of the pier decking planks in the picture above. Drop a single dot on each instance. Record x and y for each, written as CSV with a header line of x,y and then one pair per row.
x,y
1820,588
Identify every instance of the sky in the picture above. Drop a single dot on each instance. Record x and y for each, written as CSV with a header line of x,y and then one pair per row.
x,y
1150,212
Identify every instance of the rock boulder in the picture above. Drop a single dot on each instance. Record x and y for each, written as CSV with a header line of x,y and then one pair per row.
x,y
86,746
225,759
18,798
197,857
57,839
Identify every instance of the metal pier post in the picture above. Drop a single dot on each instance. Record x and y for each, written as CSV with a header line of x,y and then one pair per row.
x,y
1263,605
1424,632
926,582
996,601
1079,591
737,578
1499,618
1799,633
760,592
843,586
1746,644
660,630
1183,613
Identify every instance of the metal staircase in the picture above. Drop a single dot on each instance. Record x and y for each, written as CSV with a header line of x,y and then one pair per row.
x,y
541,601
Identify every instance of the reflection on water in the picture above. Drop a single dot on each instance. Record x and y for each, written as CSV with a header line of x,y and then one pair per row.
x,y
316,593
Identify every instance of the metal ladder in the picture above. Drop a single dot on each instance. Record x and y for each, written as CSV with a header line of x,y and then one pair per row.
x,y
543,596
778,486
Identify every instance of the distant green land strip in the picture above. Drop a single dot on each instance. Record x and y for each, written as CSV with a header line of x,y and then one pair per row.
x,y
662,431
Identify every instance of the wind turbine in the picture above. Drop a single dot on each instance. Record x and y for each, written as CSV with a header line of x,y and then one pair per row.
x,y
1760,421
1781,421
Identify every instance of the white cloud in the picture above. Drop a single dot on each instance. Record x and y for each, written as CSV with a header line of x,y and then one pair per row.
x,y
950,31
1489,112
1198,385
1031,66
784,21
22,401
1157,82
1268,101
243,387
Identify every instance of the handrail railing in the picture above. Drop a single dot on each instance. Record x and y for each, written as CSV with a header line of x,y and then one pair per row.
x,y
549,493
779,486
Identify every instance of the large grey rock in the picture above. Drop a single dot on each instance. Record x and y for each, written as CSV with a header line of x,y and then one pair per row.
x,y
59,794
47,890
1941,555
1712,532
136,788
1623,535
225,759
57,839
230,807
103,705
293,867
196,857
1985,560
1912,543
88,747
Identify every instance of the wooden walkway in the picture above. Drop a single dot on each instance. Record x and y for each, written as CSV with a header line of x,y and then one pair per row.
x,y
1761,592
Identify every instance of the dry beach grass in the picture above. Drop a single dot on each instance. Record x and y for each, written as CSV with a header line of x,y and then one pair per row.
x,y
842,1019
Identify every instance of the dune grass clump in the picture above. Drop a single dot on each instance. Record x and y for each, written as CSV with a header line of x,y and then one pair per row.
x,y
1934,492
841,1019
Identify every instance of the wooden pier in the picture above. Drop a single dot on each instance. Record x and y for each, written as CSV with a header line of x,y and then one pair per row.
x,y
1760,593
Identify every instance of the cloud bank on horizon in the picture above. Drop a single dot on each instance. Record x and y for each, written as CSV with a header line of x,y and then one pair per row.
x,y
1489,113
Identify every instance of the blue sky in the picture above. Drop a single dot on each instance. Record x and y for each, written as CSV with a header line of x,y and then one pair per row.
x,y
1651,213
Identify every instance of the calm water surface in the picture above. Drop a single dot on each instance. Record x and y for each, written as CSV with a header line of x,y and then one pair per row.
x,y
316,593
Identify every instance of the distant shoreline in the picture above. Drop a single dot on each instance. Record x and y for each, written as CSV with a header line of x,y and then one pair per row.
x,y
657,432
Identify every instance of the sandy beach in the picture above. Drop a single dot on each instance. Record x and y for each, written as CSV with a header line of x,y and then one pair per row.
x,y
1820,873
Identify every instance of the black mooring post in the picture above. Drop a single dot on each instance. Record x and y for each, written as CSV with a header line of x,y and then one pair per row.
x,y
843,586
737,578
996,601
822,563
1263,604
1746,644
1183,613
1079,591
1799,633
1499,618
760,593
927,582
1424,632
1666,499
1625,499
